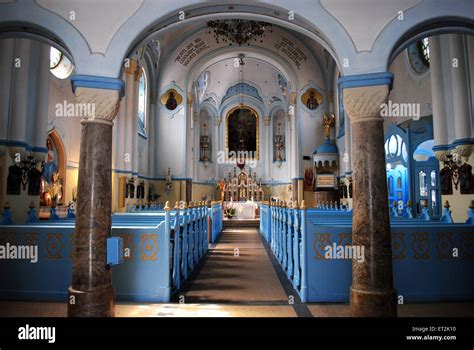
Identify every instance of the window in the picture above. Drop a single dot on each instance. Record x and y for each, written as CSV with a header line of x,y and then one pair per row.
x,y
424,50
419,56
395,148
433,178
423,184
54,57
59,65
142,102
424,151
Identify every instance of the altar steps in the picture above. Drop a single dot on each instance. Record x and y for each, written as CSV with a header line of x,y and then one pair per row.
x,y
241,223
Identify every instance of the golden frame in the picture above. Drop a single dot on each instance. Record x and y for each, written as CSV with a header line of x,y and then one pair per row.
x,y
254,112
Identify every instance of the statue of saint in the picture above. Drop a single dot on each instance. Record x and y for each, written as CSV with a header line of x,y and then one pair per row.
x,y
328,122
50,168
445,176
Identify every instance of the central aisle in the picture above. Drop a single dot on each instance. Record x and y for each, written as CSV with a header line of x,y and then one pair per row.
x,y
237,269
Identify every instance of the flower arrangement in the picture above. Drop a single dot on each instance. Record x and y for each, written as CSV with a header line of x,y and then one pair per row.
x,y
54,189
229,210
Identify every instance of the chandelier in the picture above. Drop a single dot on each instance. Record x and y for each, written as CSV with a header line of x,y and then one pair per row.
x,y
237,31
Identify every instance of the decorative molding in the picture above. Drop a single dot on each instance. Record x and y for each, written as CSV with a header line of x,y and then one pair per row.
x,y
96,82
241,89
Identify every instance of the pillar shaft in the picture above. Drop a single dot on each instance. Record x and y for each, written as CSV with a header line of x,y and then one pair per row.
x,y
6,66
19,95
437,93
217,146
268,144
460,87
42,98
347,146
372,293
91,292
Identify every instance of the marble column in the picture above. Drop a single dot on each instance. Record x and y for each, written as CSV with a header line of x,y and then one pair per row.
x,y
371,293
437,97
91,292
461,98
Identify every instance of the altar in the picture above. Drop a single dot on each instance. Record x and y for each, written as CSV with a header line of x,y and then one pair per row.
x,y
244,210
241,187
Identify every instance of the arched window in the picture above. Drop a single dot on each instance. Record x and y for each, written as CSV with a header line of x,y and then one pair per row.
x,y
59,65
142,102
395,148
424,151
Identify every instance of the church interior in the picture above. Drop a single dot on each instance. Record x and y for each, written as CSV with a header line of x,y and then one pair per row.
x,y
265,159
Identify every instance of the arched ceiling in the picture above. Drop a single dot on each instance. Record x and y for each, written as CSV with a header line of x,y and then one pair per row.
x,y
361,35
185,59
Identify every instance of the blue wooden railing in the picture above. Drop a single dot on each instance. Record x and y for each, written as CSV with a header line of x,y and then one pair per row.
x,y
161,249
432,260
216,220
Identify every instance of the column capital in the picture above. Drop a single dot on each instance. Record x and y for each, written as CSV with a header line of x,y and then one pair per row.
x,y
364,94
217,121
103,103
100,97
266,120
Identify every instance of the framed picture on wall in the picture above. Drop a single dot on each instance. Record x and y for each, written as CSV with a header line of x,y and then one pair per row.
x,y
308,177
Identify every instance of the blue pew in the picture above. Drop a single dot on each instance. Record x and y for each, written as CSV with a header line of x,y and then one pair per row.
x,y
160,249
424,265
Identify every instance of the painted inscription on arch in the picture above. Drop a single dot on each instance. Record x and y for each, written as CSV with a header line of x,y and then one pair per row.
x,y
293,52
190,51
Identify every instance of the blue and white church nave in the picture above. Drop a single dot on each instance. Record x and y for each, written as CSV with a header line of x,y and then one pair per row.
x,y
261,158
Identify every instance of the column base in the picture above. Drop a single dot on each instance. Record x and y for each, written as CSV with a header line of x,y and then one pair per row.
x,y
98,303
373,304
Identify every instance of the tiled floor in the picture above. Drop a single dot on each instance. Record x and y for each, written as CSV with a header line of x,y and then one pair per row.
x,y
237,280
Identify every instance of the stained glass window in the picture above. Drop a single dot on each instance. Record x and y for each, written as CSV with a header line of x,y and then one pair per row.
x,y
424,48
419,55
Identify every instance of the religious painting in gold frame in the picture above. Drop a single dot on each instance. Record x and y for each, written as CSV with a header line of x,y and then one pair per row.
x,y
312,98
171,99
242,132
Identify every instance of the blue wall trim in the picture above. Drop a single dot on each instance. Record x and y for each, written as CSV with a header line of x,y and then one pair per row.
x,y
92,81
359,80
440,148
159,178
458,142
23,144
